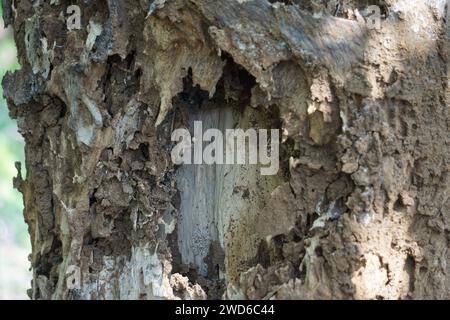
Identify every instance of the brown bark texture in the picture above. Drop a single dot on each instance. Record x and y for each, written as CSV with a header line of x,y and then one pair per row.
x,y
360,208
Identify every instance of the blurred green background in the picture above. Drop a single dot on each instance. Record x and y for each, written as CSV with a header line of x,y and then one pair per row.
x,y
14,241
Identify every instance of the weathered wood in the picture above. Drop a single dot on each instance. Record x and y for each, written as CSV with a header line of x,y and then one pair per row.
x,y
360,206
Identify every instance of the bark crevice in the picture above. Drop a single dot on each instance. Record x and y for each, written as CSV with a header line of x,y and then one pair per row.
x,y
359,209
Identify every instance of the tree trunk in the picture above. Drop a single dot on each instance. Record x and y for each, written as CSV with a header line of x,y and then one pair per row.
x,y
360,208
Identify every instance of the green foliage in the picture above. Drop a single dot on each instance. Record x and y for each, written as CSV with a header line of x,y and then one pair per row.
x,y
11,150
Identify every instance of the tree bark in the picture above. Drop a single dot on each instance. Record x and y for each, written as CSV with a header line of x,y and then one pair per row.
x,y
360,208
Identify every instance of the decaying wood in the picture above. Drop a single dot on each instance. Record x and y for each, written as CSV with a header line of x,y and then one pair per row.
x,y
360,208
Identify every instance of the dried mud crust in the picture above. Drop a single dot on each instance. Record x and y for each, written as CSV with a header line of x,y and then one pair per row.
x,y
360,209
